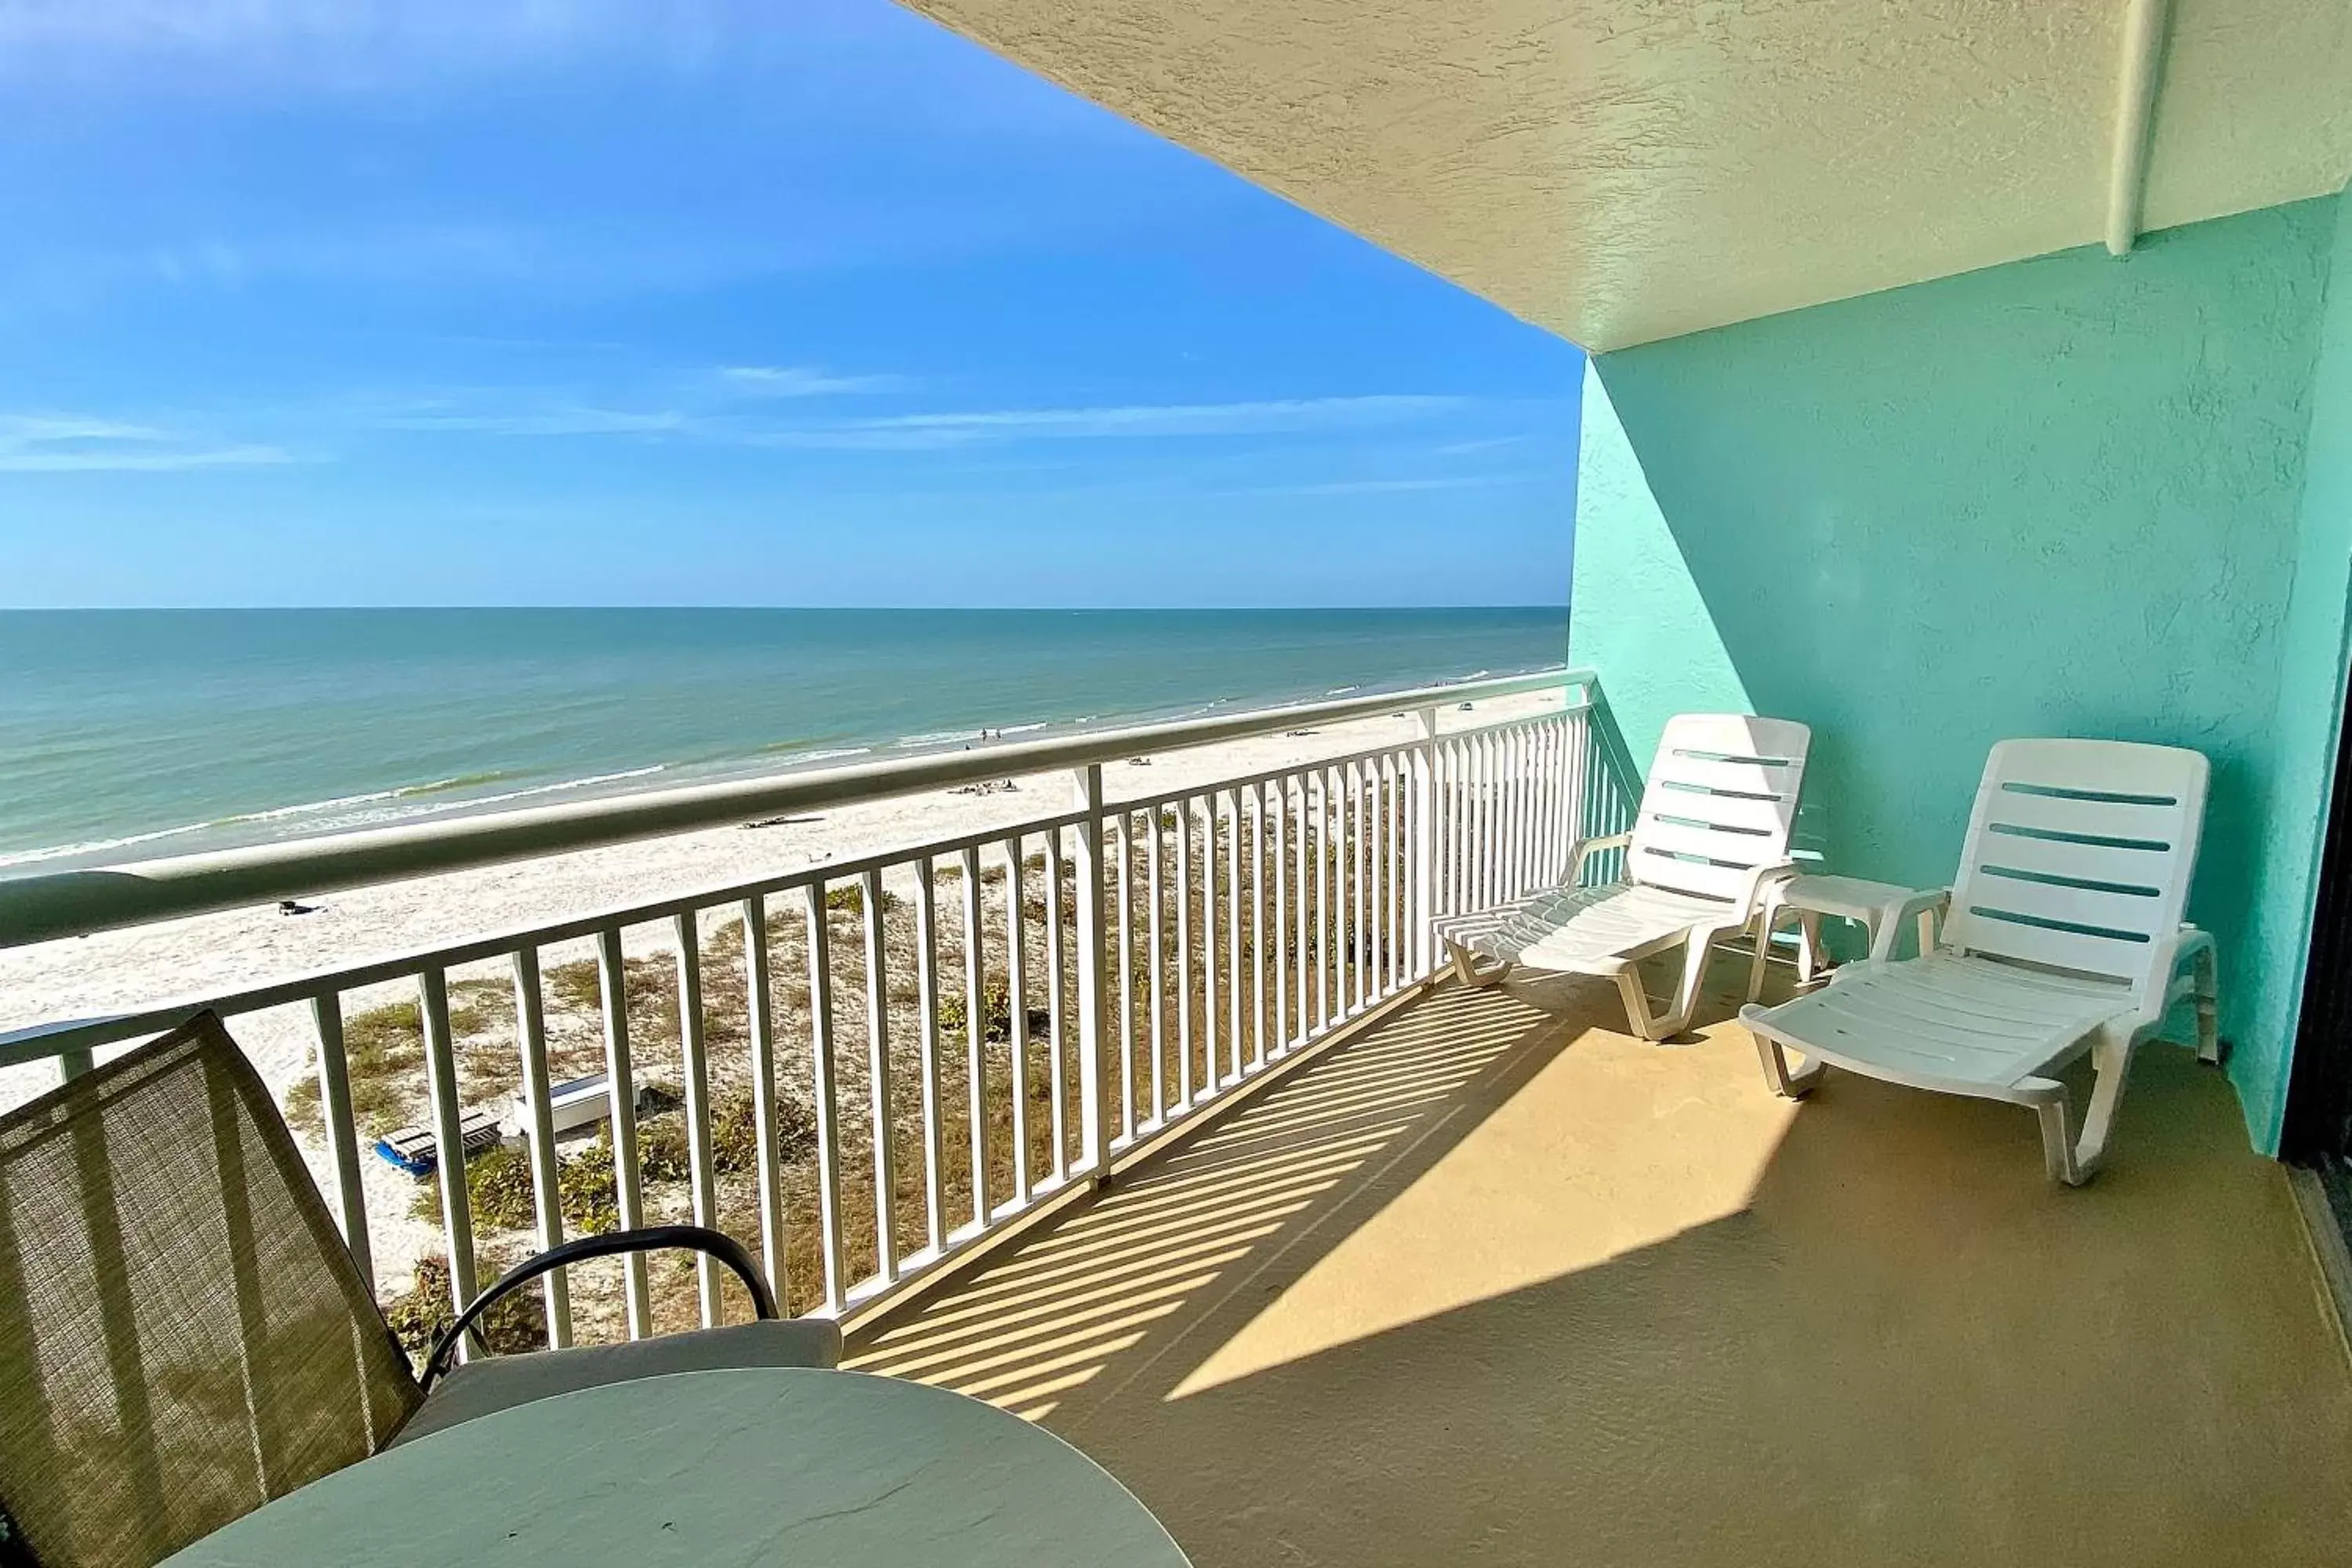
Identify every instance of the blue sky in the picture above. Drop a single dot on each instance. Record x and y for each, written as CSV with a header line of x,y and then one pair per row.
x,y
546,303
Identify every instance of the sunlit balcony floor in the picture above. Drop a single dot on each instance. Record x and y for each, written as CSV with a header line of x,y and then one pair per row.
x,y
1498,1283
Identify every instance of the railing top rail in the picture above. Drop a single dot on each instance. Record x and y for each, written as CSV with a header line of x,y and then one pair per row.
x,y
49,906
40,1041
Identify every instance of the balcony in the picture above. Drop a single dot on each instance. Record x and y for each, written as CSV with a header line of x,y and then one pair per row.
x,y
1149,1118
1494,1282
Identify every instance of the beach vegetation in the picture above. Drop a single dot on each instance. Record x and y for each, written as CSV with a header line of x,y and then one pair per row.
x,y
996,1014
420,1314
849,899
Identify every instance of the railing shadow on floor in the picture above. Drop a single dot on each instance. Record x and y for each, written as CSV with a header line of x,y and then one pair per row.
x,y
1077,1317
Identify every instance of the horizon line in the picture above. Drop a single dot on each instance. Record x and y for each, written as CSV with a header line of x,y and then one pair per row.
x,y
800,609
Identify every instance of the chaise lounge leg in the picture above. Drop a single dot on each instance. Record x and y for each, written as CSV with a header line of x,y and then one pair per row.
x,y
2074,1158
1466,970
2209,1038
1637,1003
2058,1142
1787,1084
1766,923
2113,1059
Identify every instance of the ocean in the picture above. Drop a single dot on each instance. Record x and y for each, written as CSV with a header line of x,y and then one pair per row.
x,y
126,734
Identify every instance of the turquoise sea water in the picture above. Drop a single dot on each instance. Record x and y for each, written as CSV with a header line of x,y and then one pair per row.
x,y
126,734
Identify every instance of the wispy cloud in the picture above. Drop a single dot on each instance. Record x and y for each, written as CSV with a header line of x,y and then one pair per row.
x,y
350,38
802,381
1480,444
73,442
1383,486
727,422
562,420
906,431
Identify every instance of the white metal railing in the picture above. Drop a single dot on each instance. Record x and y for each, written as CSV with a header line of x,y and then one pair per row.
x,y
1176,946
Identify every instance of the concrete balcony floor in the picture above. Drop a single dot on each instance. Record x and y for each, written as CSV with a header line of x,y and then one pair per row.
x,y
1496,1283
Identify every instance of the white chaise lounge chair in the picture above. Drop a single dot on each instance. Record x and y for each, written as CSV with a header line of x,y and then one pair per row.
x,y
1711,837
2063,936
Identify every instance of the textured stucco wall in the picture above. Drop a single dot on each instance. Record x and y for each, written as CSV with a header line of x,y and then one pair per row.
x,y
1632,597
1620,171
2058,497
2310,691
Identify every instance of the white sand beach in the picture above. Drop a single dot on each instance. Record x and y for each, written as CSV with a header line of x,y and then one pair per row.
x,y
204,956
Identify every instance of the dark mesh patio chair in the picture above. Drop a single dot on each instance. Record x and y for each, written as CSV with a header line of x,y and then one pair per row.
x,y
184,1337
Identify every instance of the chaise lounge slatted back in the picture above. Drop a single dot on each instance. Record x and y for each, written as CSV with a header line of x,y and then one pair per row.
x,y
1720,801
2078,855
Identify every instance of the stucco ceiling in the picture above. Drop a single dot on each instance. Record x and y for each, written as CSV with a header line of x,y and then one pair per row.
x,y
1620,171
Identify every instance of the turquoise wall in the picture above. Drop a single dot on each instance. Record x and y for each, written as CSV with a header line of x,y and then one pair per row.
x,y
2059,497
2312,647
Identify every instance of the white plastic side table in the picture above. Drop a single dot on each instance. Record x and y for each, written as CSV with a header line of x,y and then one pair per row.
x,y
1866,903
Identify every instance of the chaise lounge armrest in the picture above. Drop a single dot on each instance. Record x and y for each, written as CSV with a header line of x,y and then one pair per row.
x,y
1760,883
1586,848
1897,913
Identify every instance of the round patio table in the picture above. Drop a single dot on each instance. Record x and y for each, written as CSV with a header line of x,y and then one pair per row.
x,y
764,1465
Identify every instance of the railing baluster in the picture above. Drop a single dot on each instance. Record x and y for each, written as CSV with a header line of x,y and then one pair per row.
x,y
1531,805
1158,922
877,1082
1584,788
1549,872
1420,885
1344,893
1507,810
1233,987
1459,798
1531,813
1540,778
1016,982
1360,857
1398,906
825,1091
1499,821
621,1098
1278,826
1094,1079
1185,954
695,1059
1482,822
1376,843
1257,923
1341,820
927,1039
449,1153
1056,1046
975,1014
1326,911
1306,917
539,1140
1124,925
1508,870
759,996
342,1132
1210,991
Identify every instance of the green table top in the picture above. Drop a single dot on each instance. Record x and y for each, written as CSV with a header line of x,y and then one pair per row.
x,y
764,1466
